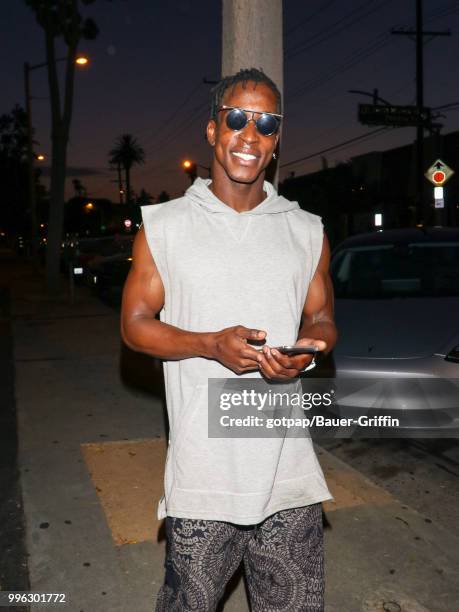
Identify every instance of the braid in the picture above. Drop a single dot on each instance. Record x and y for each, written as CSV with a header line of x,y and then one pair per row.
x,y
244,75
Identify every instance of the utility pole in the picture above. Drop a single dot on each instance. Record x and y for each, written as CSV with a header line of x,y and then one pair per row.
x,y
30,167
252,38
422,208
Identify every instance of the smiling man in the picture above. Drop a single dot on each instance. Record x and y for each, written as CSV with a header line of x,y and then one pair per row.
x,y
229,266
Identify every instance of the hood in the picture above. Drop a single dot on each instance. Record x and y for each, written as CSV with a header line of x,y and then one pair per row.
x,y
395,328
200,194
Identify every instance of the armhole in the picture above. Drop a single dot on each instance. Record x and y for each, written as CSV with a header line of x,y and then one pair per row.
x,y
155,240
316,242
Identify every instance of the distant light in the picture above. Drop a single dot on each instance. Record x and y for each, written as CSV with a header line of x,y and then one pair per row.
x,y
127,223
42,225
78,270
129,258
82,60
2,234
438,193
187,164
89,206
419,225
121,191
41,157
378,219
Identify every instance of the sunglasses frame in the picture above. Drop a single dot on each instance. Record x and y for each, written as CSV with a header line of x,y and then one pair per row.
x,y
246,110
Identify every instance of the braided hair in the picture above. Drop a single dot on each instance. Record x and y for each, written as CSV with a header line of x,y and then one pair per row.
x,y
243,76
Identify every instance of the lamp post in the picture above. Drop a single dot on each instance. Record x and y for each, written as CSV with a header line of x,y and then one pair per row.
x,y
191,168
81,60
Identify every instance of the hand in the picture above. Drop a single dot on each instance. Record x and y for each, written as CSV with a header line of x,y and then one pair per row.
x,y
276,366
230,348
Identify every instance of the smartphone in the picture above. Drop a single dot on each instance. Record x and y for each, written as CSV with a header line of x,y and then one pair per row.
x,y
297,350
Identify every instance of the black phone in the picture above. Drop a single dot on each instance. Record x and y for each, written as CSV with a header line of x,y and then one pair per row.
x,y
297,350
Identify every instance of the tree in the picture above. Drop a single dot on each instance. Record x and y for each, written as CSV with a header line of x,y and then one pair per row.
x,y
163,197
60,19
126,153
144,198
13,171
80,189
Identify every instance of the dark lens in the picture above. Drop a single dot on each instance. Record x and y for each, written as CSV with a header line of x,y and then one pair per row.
x,y
267,124
236,119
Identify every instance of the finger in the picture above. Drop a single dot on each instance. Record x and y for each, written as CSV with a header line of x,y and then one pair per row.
x,y
299,362
250,334
247,365
320,345
277,369
250,353
266,369
284,360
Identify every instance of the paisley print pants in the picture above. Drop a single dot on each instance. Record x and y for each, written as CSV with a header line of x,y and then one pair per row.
x,y
283,562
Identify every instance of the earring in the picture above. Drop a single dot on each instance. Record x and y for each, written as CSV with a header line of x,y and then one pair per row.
x,y
274,155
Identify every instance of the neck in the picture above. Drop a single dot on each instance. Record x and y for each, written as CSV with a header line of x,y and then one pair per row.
x,y
239,196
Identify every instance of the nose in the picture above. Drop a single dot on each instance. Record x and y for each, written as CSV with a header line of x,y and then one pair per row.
x,y
250,133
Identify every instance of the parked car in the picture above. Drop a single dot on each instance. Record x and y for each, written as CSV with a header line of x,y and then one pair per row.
x,y
107,275
79,254
397,313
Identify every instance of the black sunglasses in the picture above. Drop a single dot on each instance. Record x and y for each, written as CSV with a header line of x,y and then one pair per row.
x,y
237,118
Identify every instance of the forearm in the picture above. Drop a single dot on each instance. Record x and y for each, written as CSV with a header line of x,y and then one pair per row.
x,y
158,339
320,330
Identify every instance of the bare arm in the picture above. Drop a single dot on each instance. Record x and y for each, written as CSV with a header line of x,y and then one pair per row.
x,y
317,327
318,312
143,298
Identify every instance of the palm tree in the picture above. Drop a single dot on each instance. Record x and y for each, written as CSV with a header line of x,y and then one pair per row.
x,y
126,153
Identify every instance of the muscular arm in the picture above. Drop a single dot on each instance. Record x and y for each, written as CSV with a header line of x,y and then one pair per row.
x,y
318,319
143,298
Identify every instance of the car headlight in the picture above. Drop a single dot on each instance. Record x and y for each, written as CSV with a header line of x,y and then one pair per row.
x,y
453,355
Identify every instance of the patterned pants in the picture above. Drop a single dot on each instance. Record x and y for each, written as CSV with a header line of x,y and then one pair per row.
x,y
283,561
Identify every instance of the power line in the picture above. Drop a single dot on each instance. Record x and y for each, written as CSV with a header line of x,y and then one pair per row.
x,y
181,128
334,147
173,115
336,28
352,61
309,18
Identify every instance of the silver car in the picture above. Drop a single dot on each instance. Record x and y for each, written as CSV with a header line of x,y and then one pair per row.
x,y
397,313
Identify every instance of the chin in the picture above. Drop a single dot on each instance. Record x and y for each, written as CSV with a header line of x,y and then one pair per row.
x,y
244,176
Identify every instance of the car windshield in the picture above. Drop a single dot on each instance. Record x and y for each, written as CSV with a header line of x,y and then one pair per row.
x,y
419,269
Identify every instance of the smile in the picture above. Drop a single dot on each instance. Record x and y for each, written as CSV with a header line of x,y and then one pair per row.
x,y
244,156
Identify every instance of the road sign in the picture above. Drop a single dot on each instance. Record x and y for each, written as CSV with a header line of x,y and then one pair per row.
x,y
396,116
439,173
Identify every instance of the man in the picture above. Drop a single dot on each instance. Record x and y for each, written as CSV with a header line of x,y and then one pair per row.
x,y
230,266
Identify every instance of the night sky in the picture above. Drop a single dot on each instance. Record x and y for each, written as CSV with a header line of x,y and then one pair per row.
x,y
149,59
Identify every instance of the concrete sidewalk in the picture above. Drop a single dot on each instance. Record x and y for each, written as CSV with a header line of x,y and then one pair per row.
x,y
77,388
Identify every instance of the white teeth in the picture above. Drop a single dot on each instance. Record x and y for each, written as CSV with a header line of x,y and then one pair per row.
x,y
245,156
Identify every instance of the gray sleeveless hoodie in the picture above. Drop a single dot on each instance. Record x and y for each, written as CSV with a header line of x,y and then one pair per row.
x,y
221,268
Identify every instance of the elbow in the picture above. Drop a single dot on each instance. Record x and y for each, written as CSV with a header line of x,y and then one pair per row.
x,y
127,332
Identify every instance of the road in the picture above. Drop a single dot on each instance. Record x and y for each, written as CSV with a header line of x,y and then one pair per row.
x,y
424,474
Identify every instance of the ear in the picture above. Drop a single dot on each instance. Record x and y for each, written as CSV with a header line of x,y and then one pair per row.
x,y
211,132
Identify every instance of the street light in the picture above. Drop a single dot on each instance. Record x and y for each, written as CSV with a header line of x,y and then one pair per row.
x,y
80,60
191,168
40,157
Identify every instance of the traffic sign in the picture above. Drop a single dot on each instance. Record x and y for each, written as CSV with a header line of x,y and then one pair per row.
x,y
439,173
396,116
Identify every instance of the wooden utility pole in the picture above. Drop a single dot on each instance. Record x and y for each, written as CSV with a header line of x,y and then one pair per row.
x,y
252,38
418,34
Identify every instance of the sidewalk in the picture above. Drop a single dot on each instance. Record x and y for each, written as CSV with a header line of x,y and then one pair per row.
x,y
91,438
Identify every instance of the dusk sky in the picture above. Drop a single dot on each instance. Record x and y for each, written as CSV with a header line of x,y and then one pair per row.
x,y
149,60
